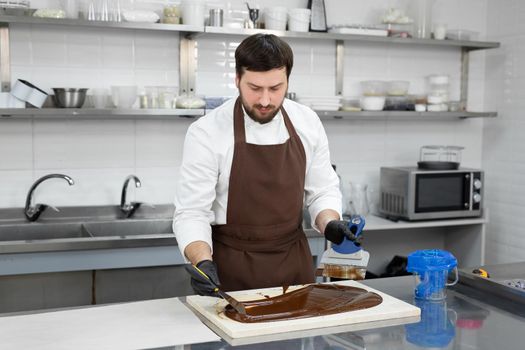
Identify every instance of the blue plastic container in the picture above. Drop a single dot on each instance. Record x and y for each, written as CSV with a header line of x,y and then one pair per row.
x,y
431,268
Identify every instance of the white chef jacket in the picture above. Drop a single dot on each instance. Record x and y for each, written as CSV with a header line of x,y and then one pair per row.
x,y
201,197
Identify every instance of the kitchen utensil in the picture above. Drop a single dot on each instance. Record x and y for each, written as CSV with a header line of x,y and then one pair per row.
x,y
373,88
275,18
422,13
397,87
190,102
216,17
439,157
350,104
299,20
399,103
193,12
99,97
431,268
372,103
27,92
70,97
318,19
347,260
198,273
172,14
462,34
440,31
438,90
102,13
124,96
140,16
70,7
117,11
254,15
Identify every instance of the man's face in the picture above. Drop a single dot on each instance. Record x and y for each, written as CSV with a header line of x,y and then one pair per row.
x,y
262,93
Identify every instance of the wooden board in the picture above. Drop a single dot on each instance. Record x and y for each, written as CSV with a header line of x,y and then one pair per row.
x,y
211,308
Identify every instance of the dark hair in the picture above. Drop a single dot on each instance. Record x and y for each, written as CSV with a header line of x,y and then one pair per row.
x,y
261,53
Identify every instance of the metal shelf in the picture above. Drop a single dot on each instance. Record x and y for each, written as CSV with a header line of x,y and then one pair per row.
x,y
6,20
92,113
402,115
196,30
469,45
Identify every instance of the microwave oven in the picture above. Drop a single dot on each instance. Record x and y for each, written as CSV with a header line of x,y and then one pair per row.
x,y
414,194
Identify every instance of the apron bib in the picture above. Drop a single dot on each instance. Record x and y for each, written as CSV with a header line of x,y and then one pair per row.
x,y
262,243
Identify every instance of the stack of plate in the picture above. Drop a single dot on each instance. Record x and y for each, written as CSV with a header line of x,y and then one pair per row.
x,y
321,103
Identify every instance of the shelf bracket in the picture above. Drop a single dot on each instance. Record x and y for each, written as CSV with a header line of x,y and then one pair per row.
x,y
188,65
5,61
339,66
463,94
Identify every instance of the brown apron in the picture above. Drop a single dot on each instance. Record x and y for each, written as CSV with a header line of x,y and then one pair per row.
x,y
262,243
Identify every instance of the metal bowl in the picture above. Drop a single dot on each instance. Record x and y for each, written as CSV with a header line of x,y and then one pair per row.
x,y
69,98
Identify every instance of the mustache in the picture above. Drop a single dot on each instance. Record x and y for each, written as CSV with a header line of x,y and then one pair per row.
x,y
261,106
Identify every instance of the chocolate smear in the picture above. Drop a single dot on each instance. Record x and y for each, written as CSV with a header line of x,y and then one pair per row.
x,y
312,300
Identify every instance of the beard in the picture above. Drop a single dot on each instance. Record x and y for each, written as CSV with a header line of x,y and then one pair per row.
x,y
261,114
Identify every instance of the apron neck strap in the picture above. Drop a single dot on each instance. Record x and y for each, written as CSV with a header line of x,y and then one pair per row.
x,y
238,122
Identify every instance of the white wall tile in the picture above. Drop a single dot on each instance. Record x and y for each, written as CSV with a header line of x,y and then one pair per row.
x,y
21,44
14,195
48,46
503,142
16,145
158,184
159,142
118,49
84,49
84,144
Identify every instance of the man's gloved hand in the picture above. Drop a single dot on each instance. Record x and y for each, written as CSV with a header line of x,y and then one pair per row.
x,y
199,283
337,230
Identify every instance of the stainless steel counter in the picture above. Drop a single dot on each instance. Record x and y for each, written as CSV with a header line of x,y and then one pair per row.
x,y
460,322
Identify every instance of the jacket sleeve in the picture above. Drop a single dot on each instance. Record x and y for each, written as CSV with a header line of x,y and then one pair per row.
x,y
195,189
321,182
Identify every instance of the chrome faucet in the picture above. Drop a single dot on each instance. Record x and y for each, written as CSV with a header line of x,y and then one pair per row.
x,y
32,213
129,209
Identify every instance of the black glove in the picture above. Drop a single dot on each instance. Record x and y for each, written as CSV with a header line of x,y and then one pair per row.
x,y
337,230
199,283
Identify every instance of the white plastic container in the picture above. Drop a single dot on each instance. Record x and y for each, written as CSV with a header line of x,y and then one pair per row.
x,y
124,96
193,12
438,89
372,103
299,20
275,18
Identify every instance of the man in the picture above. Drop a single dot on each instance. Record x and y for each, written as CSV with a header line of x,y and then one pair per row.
x,y
247,168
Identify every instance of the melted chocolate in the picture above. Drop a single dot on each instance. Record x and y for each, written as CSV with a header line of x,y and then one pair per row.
x,y
312,300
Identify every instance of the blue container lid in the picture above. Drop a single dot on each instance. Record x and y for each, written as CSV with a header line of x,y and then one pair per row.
x,y
431,260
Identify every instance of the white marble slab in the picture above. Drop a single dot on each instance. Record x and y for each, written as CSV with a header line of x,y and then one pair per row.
x,y
212,308
135,325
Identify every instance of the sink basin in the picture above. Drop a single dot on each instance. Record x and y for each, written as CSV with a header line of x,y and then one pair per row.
x,y
37,231
24,237
126,228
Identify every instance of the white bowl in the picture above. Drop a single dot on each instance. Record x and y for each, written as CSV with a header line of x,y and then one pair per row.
x,y
124,96
372,103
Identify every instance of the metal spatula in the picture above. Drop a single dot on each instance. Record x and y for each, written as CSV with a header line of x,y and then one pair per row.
x,y
198,273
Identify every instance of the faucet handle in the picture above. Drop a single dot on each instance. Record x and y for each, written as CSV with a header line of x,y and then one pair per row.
x,y
149,205
54,208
